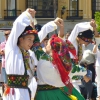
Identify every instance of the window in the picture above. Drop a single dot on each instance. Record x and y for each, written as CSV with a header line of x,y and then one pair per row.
x,y
32,4
74,13
98,5
73,4
11,7
11,12
73,7
40,4
44,8
95,6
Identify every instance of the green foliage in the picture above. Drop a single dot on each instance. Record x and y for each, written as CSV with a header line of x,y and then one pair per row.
x,y
75,68
97,19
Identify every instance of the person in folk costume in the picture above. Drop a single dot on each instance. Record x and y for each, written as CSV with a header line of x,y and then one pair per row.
x,y
17,58
53,69
83,34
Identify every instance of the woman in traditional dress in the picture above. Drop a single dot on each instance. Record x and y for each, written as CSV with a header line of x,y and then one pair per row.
x,y
53,70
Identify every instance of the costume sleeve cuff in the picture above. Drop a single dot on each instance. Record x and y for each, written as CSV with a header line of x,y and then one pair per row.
x,y
54,25
28,15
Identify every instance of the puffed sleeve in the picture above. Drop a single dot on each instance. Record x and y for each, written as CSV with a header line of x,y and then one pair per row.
x,y
47,28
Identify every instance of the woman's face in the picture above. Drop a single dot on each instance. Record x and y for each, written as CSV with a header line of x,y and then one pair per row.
x,y
48,47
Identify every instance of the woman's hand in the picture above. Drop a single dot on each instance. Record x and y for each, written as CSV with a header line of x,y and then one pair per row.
x,y
93,23
59,22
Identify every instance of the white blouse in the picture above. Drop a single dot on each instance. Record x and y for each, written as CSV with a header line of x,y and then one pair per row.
x,y
48,74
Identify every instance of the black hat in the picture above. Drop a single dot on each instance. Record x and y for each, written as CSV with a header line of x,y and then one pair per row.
x,y
86,34
27,28
30,30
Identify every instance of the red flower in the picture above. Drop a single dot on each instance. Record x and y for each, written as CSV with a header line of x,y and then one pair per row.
x,y
31,31
12,78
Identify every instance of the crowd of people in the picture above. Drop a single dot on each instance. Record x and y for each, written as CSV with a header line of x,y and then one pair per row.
x,y
38,67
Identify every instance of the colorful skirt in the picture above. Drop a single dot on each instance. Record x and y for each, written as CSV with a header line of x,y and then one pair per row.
x,y
46,92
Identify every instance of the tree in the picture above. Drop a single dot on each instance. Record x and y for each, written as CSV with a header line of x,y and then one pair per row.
x,y
97,19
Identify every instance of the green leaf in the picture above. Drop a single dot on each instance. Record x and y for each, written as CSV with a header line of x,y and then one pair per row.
x,y
78,69
74,69
97,19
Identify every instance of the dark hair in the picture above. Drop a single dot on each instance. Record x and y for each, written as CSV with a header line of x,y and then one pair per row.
x,y
38,27
83,64
69,32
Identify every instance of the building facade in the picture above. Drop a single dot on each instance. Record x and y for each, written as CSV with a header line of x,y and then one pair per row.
x,y
72,11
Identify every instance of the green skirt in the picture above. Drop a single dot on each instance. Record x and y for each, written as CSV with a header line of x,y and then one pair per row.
x,y
55,94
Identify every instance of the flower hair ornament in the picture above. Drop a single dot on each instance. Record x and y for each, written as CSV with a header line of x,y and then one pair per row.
x,y
30,32
61,58
34,32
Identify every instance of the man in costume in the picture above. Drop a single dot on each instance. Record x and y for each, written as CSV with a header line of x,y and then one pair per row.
x,y
17,59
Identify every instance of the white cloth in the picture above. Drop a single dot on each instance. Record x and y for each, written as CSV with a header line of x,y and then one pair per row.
x,y
98,79
97,39
47,28
88,57
48,74
98,58
80,27
33,87
98,71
